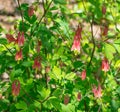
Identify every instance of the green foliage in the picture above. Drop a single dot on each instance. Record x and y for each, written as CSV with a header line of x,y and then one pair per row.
x,y
49,70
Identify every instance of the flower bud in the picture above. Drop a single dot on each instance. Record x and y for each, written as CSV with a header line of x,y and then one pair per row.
x,y
37,64
47,69
20,39
103,9
83,75
66,99
97,91
16,88
76,41
79,96
30,11
18,55
105,65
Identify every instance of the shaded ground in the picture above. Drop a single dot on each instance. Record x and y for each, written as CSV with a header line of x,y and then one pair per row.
x,y
8,12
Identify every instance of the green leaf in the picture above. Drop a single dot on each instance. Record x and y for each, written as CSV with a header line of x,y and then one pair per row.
x,y
25,28
47,104
118,90
109,51
68,108
43,92
77,64
15,73
55,102
27,63
21,105
3,41
117,45
115,105
56,73
57,92
117,64
70,76
37,104
59,1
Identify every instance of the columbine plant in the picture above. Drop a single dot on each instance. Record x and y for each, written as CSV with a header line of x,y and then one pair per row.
x,y
77,37
16,88
105,65
36,56
97,91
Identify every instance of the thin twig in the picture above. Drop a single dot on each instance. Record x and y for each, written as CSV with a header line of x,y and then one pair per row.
x,y
91,26
43,5
85,105
8,50
99,108
21,14
46,10
84,6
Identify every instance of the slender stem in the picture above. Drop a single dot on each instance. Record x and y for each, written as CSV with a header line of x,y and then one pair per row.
x,y
99,108
91,26
46,10
46,80
85,105
40,101
84,6
105,76
21,13
8,50
27,70
41,107
43,5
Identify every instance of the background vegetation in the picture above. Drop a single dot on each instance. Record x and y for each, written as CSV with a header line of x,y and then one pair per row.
x,y
42,72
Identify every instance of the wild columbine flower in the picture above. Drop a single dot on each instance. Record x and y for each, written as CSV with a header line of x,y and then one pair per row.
x,y
105,31
30,11
18,55
79,96
47,69
66,99
10,38
97,91
36,64
38,46
16,88
76,42
103,9
83,75
105,65
20,39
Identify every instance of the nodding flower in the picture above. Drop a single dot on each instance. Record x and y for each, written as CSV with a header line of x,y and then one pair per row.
x,y
20,39
83,75
18,55
37,64
10,38
30,11
38,46
103,9
105,31
79,96
66,99
76,42
16,88
97,91
105,65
